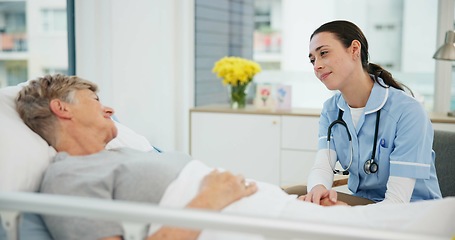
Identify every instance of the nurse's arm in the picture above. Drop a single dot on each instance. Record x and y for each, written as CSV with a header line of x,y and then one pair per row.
x,y
399,190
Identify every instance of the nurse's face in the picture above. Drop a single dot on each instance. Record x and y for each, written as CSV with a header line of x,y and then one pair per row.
x,y
333,64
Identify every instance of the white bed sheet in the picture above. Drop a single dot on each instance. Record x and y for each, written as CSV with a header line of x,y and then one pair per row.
x,y
436,217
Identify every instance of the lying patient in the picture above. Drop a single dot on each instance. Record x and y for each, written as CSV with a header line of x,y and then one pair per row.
x,y
67,113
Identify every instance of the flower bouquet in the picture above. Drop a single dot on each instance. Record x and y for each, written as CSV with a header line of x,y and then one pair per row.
x,y
237,73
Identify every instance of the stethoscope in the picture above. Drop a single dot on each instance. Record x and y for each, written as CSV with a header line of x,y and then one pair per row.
x,y
370,166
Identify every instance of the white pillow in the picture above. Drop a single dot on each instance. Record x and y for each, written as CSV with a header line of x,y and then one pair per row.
x,y
128,138
24,155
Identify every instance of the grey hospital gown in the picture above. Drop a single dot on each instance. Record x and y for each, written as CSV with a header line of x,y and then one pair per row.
x,y
123,174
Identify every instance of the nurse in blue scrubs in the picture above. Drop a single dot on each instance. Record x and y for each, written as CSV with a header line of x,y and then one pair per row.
x,y
380,135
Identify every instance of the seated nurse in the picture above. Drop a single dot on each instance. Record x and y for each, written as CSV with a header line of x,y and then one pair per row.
x,y
380,135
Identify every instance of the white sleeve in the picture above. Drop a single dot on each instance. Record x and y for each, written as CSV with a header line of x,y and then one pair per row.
x,y
322,170
399,190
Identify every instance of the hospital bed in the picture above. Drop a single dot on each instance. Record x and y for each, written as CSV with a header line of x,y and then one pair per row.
x,y
24,157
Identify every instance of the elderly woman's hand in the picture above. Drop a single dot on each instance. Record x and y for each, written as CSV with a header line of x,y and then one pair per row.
x,y
219,189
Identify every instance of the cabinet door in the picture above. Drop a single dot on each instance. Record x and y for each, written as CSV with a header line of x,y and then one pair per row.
x,y
300,133
299,145
296,166
241,143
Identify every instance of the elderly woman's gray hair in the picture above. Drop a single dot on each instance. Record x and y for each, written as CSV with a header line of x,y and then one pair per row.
x,y
32,102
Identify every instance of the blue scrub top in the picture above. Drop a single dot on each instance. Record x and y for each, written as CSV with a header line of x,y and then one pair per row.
x,y
404,145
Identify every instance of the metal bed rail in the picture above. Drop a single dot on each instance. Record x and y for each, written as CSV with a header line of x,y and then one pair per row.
x,y
136,216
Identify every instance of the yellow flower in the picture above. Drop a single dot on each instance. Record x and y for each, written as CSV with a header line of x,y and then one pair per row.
x,y
235,70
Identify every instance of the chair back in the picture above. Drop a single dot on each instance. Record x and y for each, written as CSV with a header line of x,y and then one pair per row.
x,y
444,147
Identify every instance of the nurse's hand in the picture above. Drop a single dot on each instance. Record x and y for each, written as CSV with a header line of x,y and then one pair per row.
x,y
318,193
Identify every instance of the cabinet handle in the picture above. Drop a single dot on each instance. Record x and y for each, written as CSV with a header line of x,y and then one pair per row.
x,y
274,122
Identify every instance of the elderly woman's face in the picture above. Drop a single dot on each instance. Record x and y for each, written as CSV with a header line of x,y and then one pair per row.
x,y
90,114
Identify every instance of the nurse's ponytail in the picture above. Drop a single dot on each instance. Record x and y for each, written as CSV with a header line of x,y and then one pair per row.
x,y
378,71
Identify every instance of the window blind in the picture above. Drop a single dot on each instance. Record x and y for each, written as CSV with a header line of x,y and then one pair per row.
x,y
222,28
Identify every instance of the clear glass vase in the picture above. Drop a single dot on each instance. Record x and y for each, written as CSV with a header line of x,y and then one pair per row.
x,y
238,95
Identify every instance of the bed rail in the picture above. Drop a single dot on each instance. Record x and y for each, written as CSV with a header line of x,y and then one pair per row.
x,y
136,216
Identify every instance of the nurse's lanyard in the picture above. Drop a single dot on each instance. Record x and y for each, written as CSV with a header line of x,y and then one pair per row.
x,y
370,166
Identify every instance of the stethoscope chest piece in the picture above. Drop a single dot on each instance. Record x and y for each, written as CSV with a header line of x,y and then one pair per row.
x,y
370,166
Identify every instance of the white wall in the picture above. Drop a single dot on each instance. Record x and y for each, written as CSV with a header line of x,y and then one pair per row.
x,y
424,48
140,54
444,72
300,19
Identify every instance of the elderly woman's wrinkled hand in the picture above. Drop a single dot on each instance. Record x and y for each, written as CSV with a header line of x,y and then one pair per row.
x,y
219,189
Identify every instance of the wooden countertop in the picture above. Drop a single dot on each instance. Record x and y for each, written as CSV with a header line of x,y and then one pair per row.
x,y
441,118
250,109
340,180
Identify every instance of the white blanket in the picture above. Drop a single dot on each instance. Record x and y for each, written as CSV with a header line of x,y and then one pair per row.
x,y
436,217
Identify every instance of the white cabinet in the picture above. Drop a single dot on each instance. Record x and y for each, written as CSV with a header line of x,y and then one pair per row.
x,y
242,143
298,148
272,148
300,132
295,166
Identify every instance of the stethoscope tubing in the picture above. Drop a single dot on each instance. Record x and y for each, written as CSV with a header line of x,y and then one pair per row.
x,y
370,166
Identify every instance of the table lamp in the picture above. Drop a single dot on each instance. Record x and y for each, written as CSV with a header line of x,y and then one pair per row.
x,y
447,52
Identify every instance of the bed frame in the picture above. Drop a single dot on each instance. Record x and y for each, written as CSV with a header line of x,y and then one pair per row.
x,y
136,216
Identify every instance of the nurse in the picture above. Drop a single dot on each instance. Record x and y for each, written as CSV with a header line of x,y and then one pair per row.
x,y
380,135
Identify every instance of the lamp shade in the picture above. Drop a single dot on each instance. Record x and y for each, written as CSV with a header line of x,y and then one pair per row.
x,y
447,51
